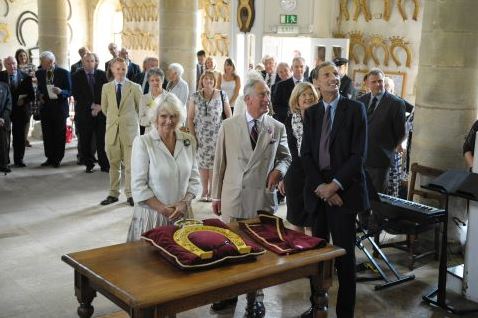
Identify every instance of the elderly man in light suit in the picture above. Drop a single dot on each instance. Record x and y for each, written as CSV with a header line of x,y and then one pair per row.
x,y
120,101
251,158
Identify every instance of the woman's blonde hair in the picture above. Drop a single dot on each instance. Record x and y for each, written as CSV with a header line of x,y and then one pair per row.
x,y
297,91
171,105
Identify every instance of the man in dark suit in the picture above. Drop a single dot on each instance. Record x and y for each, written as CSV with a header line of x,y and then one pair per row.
x,y
333,151
113,49
20,86
200,66
269,73
346,84
87,84
386,128
133,69
78,65
5,110
280,100
54,85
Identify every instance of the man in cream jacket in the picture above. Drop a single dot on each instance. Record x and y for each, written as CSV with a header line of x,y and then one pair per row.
x,y
120,101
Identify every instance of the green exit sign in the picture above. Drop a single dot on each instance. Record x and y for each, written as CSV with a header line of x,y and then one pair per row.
x,y
288,18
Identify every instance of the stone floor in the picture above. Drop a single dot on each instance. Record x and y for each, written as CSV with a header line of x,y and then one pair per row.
x,y
46,212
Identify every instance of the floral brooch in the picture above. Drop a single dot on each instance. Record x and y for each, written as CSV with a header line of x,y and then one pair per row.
x,y
270,131
186,142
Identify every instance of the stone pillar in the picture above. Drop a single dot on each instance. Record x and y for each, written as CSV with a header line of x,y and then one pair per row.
x,y
447,88
52,29
178,36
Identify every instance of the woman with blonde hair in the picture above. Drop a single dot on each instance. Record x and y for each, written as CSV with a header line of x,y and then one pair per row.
x,y
206,109
164,171
302,97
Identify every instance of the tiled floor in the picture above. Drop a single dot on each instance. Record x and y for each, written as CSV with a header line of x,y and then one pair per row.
x,y
45,213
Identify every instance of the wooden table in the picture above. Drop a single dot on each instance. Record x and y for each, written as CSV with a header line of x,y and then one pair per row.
x,y
137,279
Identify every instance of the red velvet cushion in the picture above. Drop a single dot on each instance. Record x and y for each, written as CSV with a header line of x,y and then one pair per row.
x,y
217,247
271,233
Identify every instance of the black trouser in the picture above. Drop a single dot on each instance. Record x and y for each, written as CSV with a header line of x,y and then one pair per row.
x,y
19,124
93,127
340,224
5,144
379,177
53,127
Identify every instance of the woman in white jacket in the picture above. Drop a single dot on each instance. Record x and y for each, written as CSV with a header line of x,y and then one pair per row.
x,y
164,173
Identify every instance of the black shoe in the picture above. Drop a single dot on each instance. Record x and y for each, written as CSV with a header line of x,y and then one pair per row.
x,y
46,163
224,304
55,165
130,201
27,144
89,169
20,164
5,170
257,310
107,170
109,199
309,313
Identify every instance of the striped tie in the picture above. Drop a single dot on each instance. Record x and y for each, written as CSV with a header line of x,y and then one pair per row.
x,y
254,134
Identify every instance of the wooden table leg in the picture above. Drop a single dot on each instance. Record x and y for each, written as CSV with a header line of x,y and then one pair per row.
x,y
85,294
320,286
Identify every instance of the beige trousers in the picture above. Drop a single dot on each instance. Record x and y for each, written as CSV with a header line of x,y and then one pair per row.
x,y
119,153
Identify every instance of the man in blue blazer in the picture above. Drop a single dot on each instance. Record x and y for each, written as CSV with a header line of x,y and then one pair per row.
x,y
333,151
133,69
54,85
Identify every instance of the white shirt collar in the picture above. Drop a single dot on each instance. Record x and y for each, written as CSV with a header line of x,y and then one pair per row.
x,y
249,118
121,82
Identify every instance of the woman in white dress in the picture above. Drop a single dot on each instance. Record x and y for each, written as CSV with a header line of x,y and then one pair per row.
x,y
164,172
150,100
230,82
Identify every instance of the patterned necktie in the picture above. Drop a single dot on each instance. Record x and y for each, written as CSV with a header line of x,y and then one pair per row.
x,y
269,80
118,94
49,77
324,154
254,134
372,106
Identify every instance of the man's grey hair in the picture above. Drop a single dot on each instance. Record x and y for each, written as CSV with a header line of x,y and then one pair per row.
x,y
249,88
47,55
327,63
5,60
297,59
375,71
266,58
177,68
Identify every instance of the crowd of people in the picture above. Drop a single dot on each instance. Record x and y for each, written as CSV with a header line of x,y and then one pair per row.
x,y
307,136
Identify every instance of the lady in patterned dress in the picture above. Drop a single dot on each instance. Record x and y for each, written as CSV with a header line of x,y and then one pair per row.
x,y
205,112
164,172
302,97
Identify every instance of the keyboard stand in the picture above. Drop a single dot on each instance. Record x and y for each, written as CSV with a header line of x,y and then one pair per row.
x,y
395,279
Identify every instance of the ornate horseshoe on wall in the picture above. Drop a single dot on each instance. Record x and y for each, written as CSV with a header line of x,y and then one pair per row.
x,y
245,15
356,39
387,9
403,12
378,42
7,8
19,25
361,6
344,10
399,42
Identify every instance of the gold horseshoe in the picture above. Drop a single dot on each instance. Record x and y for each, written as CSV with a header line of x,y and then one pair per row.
x,y
403,13
378,42
362,6
181,237
399,42
387,10
344,11
356,39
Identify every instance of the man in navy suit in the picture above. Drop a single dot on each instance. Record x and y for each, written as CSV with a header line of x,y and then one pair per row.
x,y
54,85
87,84
333,151
386,128
20,85
280,100
133,69
78,65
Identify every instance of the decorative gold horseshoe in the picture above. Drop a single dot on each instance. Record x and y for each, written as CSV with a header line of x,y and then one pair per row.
x,y
4,33
356,39
387,9
403,12
361,6
181,237
378,42
399,42
344,10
